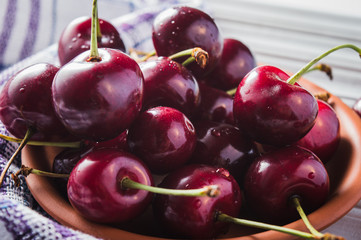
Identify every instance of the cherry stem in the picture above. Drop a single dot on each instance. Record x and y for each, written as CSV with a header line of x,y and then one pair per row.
x,y
27,137
41,143
195,54
147,56
226,218
26,171
326,236
319,67
295,77
94,54
210,191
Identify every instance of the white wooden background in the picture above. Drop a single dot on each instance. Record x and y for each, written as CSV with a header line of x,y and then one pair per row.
x,y
288,34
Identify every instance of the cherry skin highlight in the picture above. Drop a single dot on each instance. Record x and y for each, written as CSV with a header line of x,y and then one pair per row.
x,y
272,111
180,28
235,62
168,83
163,138
324,137
75,38
26,101
98,100
95,191
194,217
277,176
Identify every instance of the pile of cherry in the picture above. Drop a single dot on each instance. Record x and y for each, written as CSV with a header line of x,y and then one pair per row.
x,y
169,115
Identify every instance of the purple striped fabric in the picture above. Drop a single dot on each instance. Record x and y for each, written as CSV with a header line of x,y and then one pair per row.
x,y
8,27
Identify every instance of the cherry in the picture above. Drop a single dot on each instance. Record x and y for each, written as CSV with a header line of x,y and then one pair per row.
x,y
235,62
276,177
119,142
194,217
168,83
272,111
99,93
224,145
94,188
26,102
163,138
215,105
181,27
357,107
75,38
324,137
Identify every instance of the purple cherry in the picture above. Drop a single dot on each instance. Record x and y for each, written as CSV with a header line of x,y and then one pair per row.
x,y
235,62
26,102
75,38
168,83
276,177
194,217
271,110
95,191
163,138
180,28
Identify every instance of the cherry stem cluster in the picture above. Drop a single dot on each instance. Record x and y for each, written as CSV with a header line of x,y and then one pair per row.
x,y
194,54
27,137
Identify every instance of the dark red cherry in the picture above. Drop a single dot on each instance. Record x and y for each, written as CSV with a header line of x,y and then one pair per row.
x,y
163,138
119,142
180,28
215,105
194,217
357,107
277,176
272,111
324,137
98,100
26,102
235,62
168,83
94,186
224,145
75,38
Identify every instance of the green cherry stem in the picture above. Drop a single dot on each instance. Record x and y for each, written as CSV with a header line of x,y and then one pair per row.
x,y
226,218
326,236
194,54
295,77
41,143
27,137
210,191
94,54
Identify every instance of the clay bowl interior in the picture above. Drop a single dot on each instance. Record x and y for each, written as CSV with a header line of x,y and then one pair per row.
x,y
344,170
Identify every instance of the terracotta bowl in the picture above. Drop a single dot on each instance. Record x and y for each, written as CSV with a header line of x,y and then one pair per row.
x,y
344,170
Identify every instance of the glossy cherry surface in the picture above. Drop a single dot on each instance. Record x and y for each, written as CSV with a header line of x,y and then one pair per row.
x,y
163,138
357,107
25,101
324,137
168,83
98,100
275,177
75,38
235,62
180,28
272,111
193,217
215,105
94,188
119,142
223,145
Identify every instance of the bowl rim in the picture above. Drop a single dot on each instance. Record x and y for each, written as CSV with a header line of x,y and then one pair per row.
x,y
348,191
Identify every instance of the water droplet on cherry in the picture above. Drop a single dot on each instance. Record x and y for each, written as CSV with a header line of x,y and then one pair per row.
x,y
215,133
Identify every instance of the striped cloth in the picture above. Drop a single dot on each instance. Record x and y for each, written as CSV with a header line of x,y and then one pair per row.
x,y
28,33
